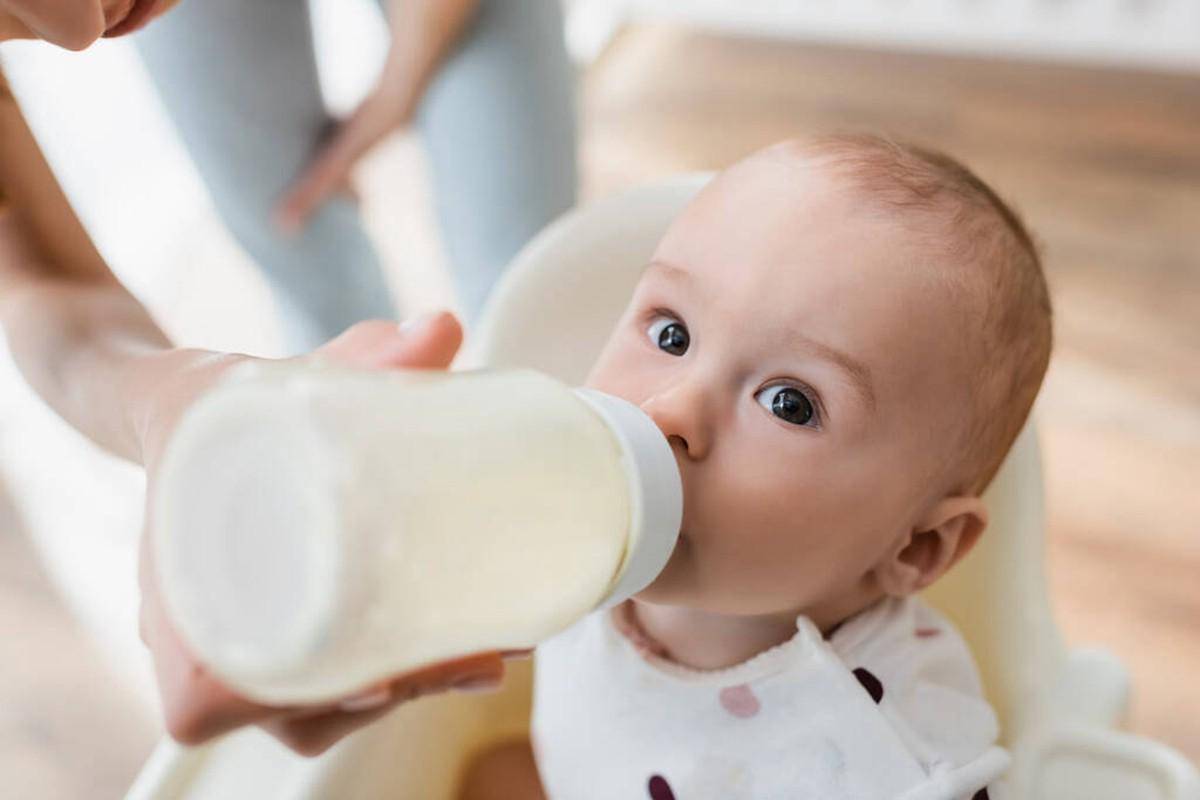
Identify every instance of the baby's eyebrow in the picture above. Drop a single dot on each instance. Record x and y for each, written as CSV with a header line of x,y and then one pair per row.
x,y
860,376
669,271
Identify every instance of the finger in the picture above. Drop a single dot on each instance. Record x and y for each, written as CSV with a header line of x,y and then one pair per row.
x,y
346,187
427,342
525,652
196,706
331,166
310,734
313,733
470,672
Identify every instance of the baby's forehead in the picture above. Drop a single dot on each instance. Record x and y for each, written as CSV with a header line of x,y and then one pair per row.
x,y
854,217
785,248
903,252
802,194
780,220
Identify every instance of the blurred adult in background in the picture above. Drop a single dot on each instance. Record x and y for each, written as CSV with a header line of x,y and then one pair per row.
x,y
487,84
97,357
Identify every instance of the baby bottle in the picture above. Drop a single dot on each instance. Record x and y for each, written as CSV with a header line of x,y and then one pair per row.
x,y
319,529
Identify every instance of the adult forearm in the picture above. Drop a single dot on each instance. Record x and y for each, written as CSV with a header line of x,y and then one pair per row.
x,y
92,351
86,347
82,341
95,356
423,32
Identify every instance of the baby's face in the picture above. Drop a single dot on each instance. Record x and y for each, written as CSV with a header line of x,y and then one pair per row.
x,y
799,354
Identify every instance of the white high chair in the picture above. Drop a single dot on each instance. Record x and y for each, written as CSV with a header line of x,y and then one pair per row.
x,y
1059,709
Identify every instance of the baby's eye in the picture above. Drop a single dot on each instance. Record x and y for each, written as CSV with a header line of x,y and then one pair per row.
x,y
669,334
788,403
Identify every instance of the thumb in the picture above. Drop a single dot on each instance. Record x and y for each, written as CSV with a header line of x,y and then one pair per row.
x,y
426,342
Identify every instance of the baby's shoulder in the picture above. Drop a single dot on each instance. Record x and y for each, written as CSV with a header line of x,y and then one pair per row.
x,y
906,634
919,665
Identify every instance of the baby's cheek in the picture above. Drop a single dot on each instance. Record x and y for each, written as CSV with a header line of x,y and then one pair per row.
x,y
780,567
745,572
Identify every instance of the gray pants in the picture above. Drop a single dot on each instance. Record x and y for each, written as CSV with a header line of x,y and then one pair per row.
x,y
239,79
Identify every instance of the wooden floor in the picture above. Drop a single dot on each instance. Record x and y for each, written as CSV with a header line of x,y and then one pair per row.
x,y
1105,167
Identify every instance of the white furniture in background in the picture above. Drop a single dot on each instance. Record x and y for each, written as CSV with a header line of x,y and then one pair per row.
x,y
553,311
1152,33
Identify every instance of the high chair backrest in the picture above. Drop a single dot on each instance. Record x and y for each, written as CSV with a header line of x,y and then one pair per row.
x,y
554,310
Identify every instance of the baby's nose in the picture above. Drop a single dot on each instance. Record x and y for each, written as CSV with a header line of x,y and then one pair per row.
x,y
679,414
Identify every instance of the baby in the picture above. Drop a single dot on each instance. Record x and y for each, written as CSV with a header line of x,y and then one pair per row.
x,y
841,338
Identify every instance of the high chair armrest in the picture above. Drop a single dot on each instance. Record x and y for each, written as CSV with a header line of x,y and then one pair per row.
x,y
416,751
169,771
1091,689
1078,762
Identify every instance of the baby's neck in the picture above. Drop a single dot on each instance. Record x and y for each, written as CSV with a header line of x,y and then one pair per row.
x,y
708,640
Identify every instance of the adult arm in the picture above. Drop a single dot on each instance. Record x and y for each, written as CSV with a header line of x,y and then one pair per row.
x,y
81,340
422,32
97,357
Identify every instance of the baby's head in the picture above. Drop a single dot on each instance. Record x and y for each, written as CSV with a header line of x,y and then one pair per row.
x,y
841,338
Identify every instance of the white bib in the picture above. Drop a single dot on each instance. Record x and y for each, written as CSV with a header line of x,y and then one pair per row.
x,y
890,707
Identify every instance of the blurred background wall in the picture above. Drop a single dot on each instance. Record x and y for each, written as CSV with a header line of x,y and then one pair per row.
x,y
1132,32
1084,113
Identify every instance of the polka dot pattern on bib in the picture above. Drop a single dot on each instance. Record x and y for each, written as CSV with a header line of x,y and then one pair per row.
x,y
740,701
870,683
660,789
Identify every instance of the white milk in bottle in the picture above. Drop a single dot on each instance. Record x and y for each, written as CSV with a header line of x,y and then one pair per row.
x,y
319,529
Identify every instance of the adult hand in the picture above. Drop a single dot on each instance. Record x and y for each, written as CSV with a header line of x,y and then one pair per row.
x,y
95,356
76,24
196,705
423,31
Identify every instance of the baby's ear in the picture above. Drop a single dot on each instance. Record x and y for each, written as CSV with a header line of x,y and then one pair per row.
x,y
944,535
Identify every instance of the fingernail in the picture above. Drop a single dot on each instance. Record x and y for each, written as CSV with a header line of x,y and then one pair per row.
x,y
416,324
367,700
483,682
523,653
